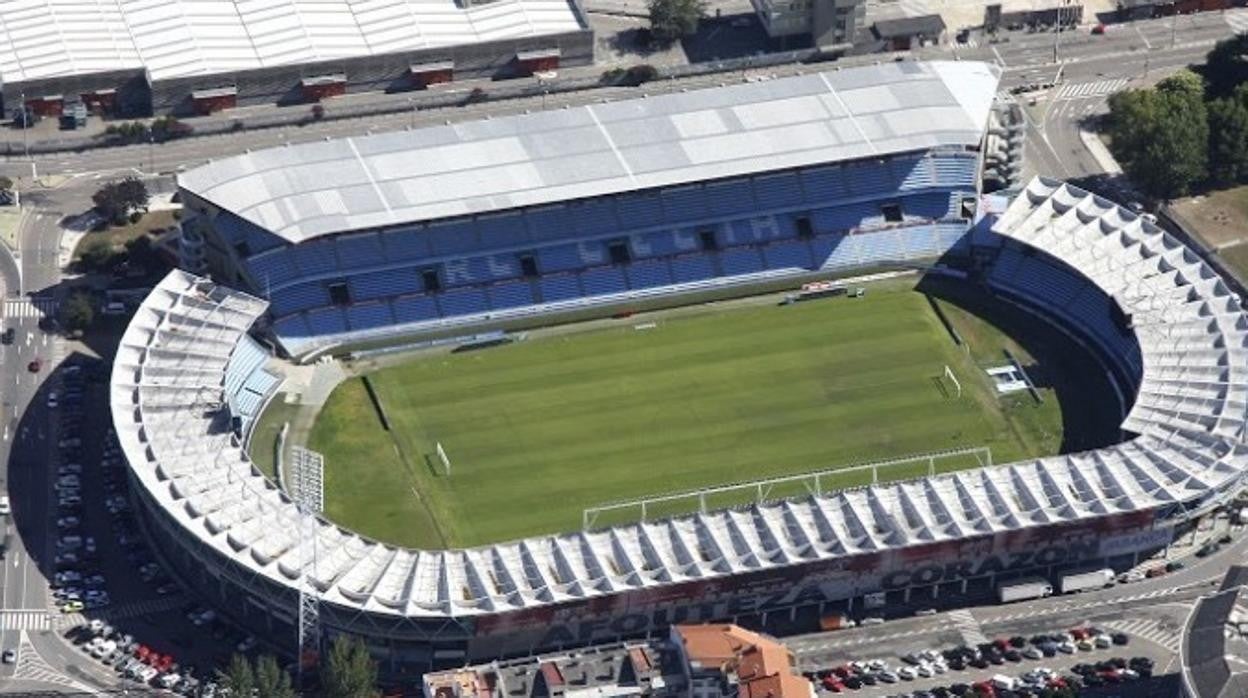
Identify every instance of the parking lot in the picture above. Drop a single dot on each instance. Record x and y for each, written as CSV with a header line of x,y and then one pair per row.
x,y
126,615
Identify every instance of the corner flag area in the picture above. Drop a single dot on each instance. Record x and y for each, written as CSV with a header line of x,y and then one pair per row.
x,y
580,416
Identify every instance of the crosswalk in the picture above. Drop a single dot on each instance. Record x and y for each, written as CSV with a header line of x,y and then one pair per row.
x,y
28,307
1238,19
25,620
1099,88
1168,637
966,624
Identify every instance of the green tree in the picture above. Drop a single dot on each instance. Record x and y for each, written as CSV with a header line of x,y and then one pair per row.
x,y
239,678
78,312
349,672
1131,114
1162,135
6,184
672,19
271,681
116,200
1228,141
1226,66
96,255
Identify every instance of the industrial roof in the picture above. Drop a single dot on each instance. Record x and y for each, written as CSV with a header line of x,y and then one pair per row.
x,y
184,38
1189,415
302,191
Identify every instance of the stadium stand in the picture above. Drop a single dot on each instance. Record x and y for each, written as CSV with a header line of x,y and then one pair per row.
x,y
1071,256
726,222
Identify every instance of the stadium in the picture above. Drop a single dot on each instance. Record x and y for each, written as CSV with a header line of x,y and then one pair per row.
x,y
530,221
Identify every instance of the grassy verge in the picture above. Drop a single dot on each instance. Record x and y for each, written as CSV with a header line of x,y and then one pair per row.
x,y
264,434
116,237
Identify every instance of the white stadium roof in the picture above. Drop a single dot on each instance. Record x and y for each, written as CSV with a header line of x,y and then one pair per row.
x,y
311,189
185,38
1189,416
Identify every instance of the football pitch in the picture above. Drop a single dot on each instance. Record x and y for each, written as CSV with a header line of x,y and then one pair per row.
x,y
538,430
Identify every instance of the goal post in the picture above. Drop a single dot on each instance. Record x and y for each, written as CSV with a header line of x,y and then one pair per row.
x,y
446,462
954,379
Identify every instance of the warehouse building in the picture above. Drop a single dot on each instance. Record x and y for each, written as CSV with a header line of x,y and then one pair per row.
x,y
186,57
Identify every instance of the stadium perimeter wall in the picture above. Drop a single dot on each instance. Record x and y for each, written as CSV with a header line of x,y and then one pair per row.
x,y
913,577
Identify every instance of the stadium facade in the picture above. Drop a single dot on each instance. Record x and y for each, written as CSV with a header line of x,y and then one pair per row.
x,y
181,56
724,189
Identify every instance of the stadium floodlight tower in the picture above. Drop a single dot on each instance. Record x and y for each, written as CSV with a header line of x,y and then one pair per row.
x,y
308,492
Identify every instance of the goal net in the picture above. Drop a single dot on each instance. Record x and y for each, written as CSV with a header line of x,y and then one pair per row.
x,y
442,458
957,385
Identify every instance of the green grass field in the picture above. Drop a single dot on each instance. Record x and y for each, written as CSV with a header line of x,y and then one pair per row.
x,y
540,429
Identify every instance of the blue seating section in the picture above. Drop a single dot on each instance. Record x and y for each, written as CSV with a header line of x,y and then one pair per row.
x,y
452,237
883,246
272,269
639,206
463,301
916,174
742,260
560,288
648,274
503,230
933,206
825,184
595,217
356,251
379,284
602,280
779,190
683,204
788,254
236,229
560,258
516,294
754,221
292,299
548,223
414,309
327,321
366,316
247,358
694,267
316,257
405,244
956,171
847,253
730,197
844,218
1057,289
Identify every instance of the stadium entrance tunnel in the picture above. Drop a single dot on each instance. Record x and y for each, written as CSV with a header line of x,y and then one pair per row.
x,y
1090,403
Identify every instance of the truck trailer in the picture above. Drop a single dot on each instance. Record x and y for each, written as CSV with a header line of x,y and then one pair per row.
x,y
1024,589
1083,581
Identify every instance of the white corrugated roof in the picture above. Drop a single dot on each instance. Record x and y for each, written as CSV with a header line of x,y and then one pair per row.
x,y
182,38
311,189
